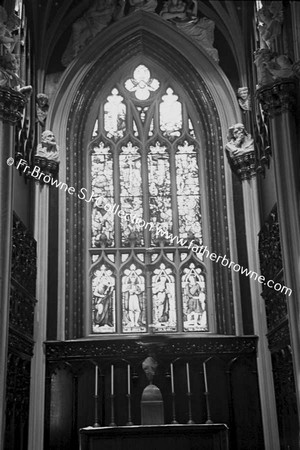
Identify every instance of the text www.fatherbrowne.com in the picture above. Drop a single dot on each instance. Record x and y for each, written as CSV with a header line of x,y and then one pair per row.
x,y
200,250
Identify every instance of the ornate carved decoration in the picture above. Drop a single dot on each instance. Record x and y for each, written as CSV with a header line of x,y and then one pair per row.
x,y
23,256
42,107
18,382
46,166
240,152
284,384
17,342
270,247
244,166
244,98
17,398
278,98
11,105
47,157
271,269
20,337
276,307
261,138
95,349
279,337
21,311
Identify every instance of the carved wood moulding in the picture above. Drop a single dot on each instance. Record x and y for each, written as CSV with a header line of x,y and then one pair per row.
x,y
270,247
126,348
279,337
23,268
271,268
21,311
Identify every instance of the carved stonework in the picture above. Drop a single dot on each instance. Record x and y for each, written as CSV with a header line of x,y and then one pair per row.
x,y
244,98
240,152
23,268
46,160
244,166
261,138
278,98
11,105
46,166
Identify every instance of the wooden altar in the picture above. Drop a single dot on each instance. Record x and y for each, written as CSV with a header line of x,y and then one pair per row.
x,y
158,437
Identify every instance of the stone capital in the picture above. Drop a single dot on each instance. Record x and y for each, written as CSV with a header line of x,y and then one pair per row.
x,y
244,166
12,103
278,97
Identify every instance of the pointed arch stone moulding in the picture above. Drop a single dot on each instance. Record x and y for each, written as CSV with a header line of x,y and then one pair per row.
x,y
151,39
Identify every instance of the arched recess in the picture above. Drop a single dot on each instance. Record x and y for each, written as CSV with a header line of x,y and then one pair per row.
x,y
143,35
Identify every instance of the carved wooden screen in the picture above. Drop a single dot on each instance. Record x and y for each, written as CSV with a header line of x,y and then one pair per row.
x,y
145,211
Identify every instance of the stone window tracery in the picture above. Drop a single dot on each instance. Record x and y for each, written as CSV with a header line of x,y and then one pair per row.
x,y
145,177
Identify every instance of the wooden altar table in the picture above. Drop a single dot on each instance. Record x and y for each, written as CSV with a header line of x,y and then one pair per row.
x,y
156,437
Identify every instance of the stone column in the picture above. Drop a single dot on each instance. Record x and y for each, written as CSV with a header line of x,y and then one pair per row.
x,y
38,364
244,167
11,105
279,103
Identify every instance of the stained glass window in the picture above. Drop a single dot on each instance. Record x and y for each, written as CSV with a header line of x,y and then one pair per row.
x,y
103,284
145,211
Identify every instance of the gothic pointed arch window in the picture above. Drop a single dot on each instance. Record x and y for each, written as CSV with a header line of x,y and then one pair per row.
x,y
147,212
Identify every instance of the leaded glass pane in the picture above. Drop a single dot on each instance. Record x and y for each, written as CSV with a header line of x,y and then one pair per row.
x,y
170,115
159,188
188,192
164,303
103,289
133,301
194,299
131,193
102,186
115,115
141,83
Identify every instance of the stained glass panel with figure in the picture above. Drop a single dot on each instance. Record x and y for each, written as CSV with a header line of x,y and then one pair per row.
x,y
188,192
145,162
103,291
102,187
194,299
159,187
133,301
164,303
131,192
